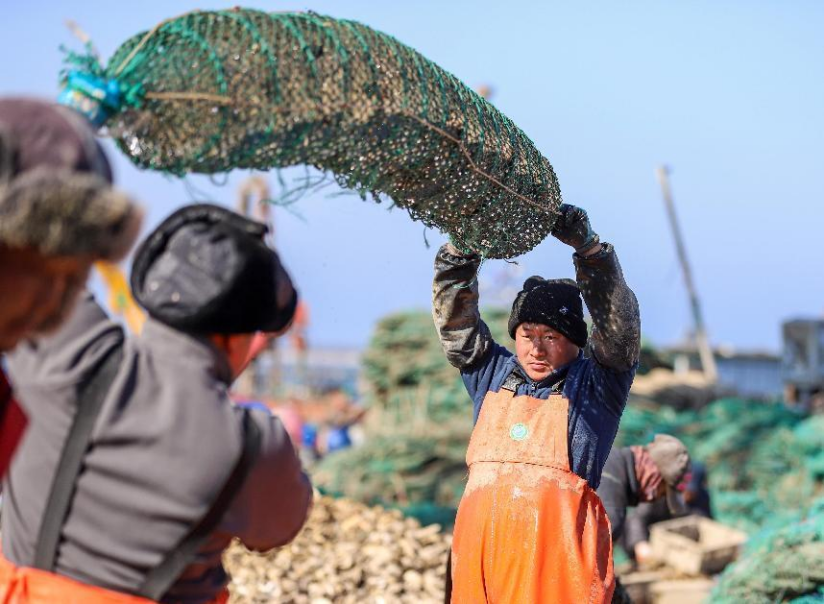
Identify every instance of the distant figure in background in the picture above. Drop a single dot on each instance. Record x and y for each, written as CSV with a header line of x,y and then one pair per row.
x,y
308,451
58,214
328,419
638,521
343,414
653,473
172,471
697,494
337,438
638,474
290,415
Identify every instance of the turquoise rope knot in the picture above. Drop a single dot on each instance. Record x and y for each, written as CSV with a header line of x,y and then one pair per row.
x,y
96,97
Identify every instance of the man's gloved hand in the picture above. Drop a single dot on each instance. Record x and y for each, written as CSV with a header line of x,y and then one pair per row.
x,y
573,228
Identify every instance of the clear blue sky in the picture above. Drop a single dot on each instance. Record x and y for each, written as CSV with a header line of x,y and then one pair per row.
x,y
728,93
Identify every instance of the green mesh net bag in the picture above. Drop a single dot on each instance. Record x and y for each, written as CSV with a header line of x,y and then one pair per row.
x,y
208,92
785,564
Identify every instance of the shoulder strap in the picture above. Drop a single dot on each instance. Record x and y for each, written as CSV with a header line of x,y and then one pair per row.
x,y
163,576
515,379
90,396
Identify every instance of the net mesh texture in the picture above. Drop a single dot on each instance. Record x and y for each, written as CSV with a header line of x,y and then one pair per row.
x,y
209,92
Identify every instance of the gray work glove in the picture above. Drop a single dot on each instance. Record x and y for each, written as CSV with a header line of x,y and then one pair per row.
x,y
572,227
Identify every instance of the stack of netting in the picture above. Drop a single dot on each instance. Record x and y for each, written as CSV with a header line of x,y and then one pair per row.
x,y
785,564
406,375
422,473
209,92
419,424
764,461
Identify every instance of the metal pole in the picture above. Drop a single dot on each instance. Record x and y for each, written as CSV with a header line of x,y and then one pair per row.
x,y
252,196
701,340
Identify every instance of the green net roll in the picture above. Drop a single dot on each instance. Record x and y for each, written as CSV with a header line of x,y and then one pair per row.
x,y
785,564
209,92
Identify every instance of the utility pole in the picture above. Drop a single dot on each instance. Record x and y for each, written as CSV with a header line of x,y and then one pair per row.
x,y
701,340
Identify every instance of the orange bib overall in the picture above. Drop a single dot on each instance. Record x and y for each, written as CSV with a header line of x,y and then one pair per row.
x,y
528,529
21,585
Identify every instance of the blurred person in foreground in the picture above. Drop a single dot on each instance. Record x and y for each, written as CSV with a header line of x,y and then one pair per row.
x,y
530,526
58,214
139,470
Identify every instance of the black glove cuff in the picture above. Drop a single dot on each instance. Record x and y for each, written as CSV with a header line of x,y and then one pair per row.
x,y
590,243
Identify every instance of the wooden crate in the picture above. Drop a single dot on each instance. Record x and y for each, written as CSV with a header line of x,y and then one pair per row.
x,y
695,545
686,591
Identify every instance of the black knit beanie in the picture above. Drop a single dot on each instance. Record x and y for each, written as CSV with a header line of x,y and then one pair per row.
x,y
552,302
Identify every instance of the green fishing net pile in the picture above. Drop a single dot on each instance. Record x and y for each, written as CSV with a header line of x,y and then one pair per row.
x,y
785,564
414,455
405,372
209,92
420,472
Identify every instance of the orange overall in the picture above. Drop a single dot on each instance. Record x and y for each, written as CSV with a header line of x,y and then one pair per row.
x,y
21,585
528,529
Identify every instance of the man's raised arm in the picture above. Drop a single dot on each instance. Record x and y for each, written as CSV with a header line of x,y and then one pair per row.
x,y
465,338
616,333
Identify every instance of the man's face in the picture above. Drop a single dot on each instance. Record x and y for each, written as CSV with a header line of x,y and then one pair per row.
x,y
36,292
541,350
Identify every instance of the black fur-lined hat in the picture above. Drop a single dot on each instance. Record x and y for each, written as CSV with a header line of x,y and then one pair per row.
x,y
56,193
207,269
